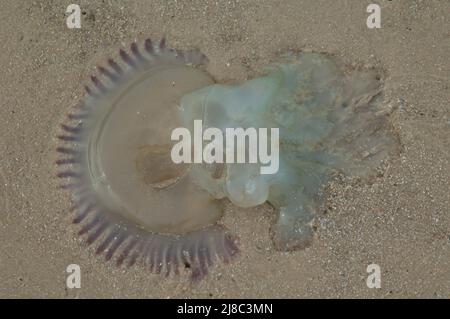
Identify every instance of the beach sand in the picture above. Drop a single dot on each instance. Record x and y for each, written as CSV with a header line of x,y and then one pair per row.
x,y
399,219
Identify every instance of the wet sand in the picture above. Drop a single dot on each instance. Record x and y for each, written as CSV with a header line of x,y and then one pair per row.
x,y
399,219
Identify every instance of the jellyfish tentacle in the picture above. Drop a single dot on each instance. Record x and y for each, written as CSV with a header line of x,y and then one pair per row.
x,y
293,229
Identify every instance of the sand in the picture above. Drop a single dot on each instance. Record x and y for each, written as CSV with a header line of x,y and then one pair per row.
x,y
399,219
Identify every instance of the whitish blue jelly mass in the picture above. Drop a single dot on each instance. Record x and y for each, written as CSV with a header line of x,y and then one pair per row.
x,y
330,119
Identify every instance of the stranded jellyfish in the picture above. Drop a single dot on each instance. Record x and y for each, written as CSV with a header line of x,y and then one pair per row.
x,y
137,205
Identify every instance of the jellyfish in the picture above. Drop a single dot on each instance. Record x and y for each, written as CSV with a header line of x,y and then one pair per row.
x,y
137,205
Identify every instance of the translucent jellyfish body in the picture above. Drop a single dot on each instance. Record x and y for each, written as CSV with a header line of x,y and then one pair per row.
x,y
137,205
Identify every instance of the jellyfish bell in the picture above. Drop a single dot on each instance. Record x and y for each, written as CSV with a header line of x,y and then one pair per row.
x,y
130,198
